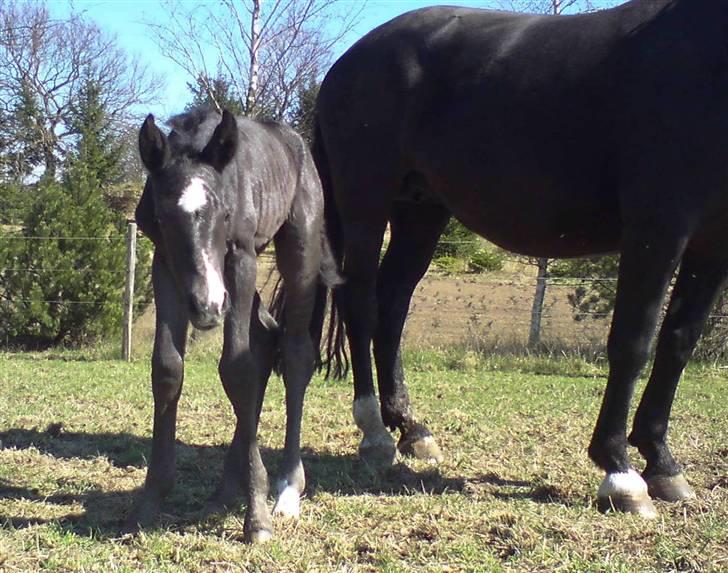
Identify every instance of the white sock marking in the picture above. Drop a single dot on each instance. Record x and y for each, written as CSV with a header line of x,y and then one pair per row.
x,y
368,418
194,196
288,503
621,484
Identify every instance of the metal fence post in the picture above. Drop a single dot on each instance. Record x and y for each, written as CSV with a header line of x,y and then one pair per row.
x,y
131,233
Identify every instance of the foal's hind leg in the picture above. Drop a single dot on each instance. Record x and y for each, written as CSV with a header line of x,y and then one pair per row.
x,y
298,257
646,266
263,341
415,230
698,284
167,374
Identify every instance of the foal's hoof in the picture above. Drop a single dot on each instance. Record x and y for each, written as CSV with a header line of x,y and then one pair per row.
x,y
625,492
378,454
422,448
670,488
257,536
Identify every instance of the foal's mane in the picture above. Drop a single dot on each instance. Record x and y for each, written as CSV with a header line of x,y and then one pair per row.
x,y
192,130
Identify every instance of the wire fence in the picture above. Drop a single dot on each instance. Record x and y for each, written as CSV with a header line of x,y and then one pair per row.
x,y
445,307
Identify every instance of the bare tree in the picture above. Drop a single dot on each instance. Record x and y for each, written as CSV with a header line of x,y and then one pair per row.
x,y
267,49
555,7
44,64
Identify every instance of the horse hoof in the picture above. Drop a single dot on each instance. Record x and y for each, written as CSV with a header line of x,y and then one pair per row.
x,y
670,488
142,515
378,455
424,448
288,503
258,536
625,492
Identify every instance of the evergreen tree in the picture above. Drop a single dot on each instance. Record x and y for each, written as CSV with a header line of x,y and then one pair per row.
x,y
57,290
217,93
302,118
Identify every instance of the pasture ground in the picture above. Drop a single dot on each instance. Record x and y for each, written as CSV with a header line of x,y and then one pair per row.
x,y
516,491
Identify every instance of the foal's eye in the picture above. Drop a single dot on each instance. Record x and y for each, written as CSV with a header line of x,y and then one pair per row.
x,y
197,214
227,217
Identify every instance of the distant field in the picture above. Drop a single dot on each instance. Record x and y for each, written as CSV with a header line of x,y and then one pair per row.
x,y
514,494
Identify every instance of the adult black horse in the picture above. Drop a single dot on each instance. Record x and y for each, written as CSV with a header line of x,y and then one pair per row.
x,y
218,191
551,137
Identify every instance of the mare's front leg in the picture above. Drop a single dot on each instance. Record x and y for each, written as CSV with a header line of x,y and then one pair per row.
x,y
167,374
298,256
240,372
647,263
700,280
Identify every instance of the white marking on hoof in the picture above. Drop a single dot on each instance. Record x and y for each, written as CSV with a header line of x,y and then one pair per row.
x,y
194,196
215,284
629,483
625,492
428,450
288,503
259,536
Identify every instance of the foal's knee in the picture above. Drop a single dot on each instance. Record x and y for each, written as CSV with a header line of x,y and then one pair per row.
x,y
167,375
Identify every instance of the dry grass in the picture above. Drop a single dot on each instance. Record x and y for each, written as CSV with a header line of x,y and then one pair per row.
x,y
515,493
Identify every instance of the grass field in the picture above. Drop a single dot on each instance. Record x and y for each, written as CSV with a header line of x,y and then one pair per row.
x,y
514,494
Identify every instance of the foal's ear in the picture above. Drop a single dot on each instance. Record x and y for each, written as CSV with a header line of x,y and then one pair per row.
x,y
153,146
223,144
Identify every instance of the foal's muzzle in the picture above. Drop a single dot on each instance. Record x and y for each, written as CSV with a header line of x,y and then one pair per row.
x,y
205,315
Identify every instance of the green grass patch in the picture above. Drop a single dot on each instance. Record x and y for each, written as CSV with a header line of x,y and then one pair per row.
x,y
516,491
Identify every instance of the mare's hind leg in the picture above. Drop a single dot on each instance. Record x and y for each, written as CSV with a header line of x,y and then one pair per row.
x,y
697,286
646,266
167,374
263,341
415,230
358,296
298,257
241,374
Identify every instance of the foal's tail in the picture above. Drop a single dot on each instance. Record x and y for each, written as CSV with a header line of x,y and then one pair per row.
x,y
331,352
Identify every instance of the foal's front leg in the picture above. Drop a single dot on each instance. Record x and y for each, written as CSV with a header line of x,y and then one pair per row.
x,y
167,375
263,345
240,373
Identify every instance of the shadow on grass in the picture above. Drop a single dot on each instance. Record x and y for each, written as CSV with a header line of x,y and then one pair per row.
x,y
198,468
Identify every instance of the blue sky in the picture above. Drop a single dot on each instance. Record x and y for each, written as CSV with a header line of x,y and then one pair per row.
x,y
126,18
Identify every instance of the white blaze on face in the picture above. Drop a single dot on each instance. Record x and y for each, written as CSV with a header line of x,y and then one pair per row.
x,y
194,196
215,284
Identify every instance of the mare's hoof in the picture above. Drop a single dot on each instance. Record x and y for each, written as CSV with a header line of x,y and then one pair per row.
x,y
378,455
625,492
257,536
670,488
423,448
288,503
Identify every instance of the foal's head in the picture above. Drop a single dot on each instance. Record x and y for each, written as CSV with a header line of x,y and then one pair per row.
x,y
190,218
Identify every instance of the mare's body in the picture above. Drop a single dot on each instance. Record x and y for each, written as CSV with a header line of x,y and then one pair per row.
x,y
552,137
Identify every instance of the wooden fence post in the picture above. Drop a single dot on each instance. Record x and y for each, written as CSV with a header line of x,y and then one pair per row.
x,y
131,233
